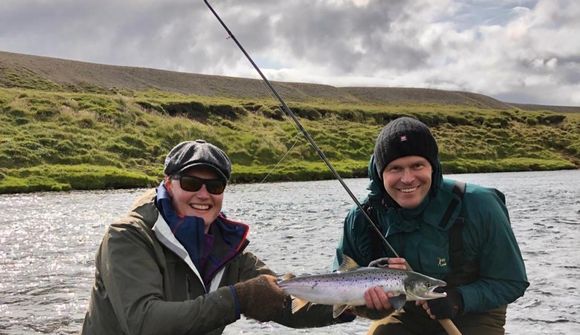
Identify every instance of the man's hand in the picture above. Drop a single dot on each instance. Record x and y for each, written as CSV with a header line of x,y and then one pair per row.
x,y
389,263
260,298
444,308
377,298
377,305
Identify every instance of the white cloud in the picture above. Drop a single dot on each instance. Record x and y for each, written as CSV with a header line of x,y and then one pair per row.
x,y
515,50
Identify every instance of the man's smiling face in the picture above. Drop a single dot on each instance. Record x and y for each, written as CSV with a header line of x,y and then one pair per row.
x,y
408,180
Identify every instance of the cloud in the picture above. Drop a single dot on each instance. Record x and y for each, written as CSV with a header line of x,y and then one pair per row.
x,y
515,50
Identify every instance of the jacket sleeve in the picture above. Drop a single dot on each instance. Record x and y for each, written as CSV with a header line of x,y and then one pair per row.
x,y
134,285
310,316
502,271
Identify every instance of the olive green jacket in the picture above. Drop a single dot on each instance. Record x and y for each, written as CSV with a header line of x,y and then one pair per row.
x,y
145,283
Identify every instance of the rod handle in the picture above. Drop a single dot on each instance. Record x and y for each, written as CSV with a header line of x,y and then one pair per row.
x,y
449,327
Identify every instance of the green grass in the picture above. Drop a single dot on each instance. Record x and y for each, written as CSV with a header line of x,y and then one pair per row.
x,y
52,141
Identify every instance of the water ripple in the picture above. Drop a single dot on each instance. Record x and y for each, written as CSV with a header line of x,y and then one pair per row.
x,y
48,243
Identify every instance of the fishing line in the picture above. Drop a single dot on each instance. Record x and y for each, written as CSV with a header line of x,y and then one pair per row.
x,y
289,112
295,138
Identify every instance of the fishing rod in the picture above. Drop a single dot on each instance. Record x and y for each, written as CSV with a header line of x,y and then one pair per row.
x,y
447,324
290,113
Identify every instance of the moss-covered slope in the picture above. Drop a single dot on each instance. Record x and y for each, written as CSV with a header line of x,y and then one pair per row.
x,y
64,140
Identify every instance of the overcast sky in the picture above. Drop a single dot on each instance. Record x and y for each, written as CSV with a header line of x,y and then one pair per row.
x,y
514,50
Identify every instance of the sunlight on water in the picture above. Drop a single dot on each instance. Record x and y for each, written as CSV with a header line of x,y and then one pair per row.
x,y
48,243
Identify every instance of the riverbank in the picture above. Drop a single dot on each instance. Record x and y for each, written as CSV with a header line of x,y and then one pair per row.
x,y
90,177
55,141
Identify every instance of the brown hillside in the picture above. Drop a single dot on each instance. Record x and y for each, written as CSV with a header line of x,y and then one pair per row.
x,y
36,72
74,75
558,109
391,95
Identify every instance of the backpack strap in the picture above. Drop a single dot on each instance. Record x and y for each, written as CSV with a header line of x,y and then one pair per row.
x,y
459,190
462,272
456,230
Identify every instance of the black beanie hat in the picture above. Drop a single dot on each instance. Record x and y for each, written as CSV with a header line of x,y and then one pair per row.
x,y
402,137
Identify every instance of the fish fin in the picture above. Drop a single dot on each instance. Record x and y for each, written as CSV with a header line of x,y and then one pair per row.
x,y
286,276
298,304
398,302
338,309
348,264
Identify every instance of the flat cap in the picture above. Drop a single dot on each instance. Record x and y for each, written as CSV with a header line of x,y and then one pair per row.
x,y
190,154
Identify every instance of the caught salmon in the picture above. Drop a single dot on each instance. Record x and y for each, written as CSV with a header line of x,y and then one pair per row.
x,y
347,286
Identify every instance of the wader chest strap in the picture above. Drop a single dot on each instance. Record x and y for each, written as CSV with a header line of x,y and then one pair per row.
x,y
462,271
456,230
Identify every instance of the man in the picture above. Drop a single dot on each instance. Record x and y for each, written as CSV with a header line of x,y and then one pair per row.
x,y
176,265
442,228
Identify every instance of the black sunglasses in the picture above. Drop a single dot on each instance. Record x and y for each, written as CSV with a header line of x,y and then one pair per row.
x,y
193,184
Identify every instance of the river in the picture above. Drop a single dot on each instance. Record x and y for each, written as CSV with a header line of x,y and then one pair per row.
x,y
48,243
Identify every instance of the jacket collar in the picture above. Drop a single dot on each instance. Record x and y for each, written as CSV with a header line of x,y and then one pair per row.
x,y
432,210
186,241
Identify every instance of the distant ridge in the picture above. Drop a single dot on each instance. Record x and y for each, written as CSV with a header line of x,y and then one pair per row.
x,y
423,95
37,72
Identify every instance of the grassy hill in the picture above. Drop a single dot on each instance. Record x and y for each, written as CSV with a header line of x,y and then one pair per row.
x,y
73,125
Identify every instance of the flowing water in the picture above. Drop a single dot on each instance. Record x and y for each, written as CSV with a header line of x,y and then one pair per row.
x,y
48,242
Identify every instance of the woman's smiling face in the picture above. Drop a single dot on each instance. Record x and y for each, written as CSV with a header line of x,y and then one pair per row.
x,y
200,203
